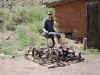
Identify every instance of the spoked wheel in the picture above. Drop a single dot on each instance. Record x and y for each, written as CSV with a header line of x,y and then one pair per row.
x,y
28,55
50,43
52,57
59,56
79,56
31,55
50,48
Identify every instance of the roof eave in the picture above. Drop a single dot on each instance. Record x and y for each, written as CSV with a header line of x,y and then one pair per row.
x,y
56,3
52,4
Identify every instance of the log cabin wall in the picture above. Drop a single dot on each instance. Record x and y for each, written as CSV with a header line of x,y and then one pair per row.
x,y
71,17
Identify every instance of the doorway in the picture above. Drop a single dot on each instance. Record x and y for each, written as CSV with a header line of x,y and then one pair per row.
x,y
93,25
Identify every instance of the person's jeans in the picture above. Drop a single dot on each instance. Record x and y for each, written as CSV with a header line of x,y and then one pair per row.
x,y
51,35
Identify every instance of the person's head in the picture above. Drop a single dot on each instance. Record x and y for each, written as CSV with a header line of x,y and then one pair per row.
x,y
50,15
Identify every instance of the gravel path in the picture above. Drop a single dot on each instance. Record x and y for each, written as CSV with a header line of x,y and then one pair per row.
x,y
21,66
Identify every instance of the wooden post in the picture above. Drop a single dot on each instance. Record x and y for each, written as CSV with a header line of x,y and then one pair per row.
x,y
85,43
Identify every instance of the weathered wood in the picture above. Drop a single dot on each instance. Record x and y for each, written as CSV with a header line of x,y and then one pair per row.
x,y
93,26
71,18
85,43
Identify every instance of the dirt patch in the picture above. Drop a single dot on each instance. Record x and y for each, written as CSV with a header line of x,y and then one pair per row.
x,y
21,66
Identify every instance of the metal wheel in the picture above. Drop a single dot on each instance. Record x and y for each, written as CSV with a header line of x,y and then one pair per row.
x,y
50,47
28,55
80,56
31,55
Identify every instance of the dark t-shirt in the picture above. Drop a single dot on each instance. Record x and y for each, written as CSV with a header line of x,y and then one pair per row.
x,y
48,25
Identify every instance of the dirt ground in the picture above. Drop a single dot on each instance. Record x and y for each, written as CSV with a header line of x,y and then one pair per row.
x,y
21,66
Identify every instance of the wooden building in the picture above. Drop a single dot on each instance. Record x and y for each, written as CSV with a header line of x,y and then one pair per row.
x,y
79,18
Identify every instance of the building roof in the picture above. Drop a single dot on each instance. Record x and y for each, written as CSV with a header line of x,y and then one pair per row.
x,y
55,3
59,2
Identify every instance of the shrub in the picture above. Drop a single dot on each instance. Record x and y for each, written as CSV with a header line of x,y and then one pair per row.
x,y
27,34
19,15
22,37
29,14
7,19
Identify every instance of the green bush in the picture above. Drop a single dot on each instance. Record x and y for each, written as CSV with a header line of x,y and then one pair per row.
x,y
36,36
10,23
19,15
29,14
23,38
92,51
33,17
27,21
7,19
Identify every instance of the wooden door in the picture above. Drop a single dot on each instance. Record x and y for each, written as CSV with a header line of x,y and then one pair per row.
x,y
93,24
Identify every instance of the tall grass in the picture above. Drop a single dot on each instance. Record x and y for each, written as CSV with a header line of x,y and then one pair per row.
x,y
19,15
32,18
27,23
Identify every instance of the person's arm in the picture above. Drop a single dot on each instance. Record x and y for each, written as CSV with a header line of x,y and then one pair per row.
x,y
54,26
44,30
44,26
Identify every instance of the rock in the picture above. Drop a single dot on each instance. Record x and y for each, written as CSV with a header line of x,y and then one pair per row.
x,y
13,57
3,56
52,66
7,36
